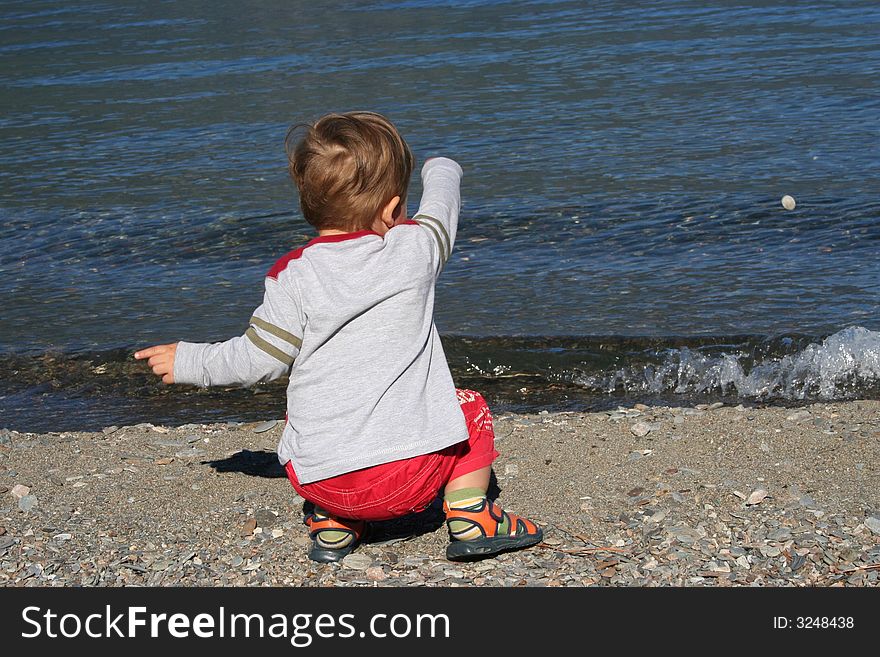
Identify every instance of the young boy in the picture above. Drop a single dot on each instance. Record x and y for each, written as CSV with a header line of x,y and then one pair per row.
x,y
375,427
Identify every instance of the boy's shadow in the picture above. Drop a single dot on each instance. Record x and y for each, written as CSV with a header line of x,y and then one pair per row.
x,y
253,464
265,464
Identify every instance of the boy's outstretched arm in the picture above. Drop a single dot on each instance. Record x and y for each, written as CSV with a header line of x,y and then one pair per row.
x,y
266,351
440,204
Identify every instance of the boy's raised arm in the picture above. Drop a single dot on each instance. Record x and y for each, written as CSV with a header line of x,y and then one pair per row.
x,y
266,351
441,203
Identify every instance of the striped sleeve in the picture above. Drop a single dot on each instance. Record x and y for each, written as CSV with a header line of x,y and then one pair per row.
x,y
276,327
440,204
266,350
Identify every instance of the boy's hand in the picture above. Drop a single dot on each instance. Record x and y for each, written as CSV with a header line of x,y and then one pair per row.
x,y
161,360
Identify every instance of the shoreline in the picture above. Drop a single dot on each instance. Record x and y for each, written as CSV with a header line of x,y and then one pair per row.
x,y
642,496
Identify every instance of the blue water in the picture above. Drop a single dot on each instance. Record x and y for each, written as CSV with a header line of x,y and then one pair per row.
x,y
624,163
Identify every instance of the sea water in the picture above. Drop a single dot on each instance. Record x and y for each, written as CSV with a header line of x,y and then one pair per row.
x,y
622,231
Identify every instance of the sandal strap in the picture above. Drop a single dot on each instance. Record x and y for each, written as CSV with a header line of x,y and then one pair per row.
x,y
318,524
489,519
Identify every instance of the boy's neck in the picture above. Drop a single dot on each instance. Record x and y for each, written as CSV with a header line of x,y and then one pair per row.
x,y
332,231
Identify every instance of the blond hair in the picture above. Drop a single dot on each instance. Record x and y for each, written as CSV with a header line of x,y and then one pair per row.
x,y
347,167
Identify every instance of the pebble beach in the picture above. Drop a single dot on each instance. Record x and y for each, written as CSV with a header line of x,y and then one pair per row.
x,y
639,496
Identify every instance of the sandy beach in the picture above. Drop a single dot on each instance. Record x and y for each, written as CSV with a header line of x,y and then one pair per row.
x,y
644,496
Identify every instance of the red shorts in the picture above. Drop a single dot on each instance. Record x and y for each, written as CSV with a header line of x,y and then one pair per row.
x,y
395,489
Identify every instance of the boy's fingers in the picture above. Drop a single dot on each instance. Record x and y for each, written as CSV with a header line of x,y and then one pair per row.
x,y
152,351
146,353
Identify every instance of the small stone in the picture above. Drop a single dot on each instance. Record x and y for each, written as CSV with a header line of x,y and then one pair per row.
x,y
62,537
638,490
165,460
781,535
265,518
873,524
685,535
376,574
27,503
190,452
771,551
640,429
715,406
249,526
511,469
2,531
357,561
277,533
265,426
799,416
161,564
678,420
757,496
641,407
236,562
659,516
19,491
788,202
765,447
808,502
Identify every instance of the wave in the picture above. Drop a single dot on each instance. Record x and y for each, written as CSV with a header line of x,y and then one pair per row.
x,y
843,366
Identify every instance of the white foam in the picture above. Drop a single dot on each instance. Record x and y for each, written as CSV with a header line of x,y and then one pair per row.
x,y
840,367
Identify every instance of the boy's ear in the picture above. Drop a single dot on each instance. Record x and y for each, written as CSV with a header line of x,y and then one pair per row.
x,y
390,211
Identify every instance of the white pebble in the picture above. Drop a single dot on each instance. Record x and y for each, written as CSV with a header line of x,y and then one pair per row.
x,y
788,202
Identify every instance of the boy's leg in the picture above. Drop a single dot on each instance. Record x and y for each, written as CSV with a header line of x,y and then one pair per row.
x,y
332,538
477,527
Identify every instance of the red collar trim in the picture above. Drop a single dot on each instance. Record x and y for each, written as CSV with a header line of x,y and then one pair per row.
x,y
283,261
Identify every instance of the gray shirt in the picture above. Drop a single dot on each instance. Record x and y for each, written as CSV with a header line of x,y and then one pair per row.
x,y
350,318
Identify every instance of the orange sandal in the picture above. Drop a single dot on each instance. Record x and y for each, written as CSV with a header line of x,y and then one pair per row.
x,y
323,552
489,519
